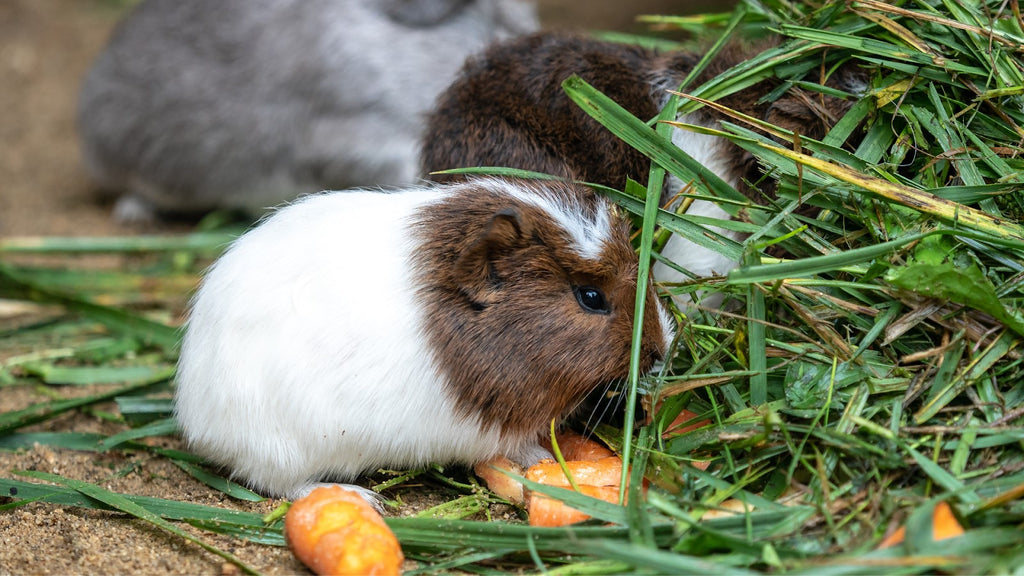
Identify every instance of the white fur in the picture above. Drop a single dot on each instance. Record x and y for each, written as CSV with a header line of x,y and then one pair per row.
x,y
588,236
291,370
668,332
698,260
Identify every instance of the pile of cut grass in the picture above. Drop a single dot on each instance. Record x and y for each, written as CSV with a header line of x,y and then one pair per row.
x,y
872,373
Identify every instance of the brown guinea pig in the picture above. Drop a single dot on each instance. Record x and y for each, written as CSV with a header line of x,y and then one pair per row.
x,y
507,108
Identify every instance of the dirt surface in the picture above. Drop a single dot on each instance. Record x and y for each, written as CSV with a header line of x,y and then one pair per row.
x,y
45,48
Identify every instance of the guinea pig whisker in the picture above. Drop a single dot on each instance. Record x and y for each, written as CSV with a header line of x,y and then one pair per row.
x,y
601,408
589,407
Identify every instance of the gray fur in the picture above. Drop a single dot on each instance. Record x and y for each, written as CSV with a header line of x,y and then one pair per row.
x,y
199,104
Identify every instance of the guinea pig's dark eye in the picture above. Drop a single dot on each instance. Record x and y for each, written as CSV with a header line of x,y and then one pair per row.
x,y
591,299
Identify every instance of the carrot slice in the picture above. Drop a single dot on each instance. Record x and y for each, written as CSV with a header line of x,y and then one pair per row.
x,y
335,531
574,446
944,523
546,511
685,422
944,526
599,479
596,470
491,472
603,472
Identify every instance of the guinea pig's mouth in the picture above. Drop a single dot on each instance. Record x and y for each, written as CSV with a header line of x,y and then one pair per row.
x,y
603,405
606,404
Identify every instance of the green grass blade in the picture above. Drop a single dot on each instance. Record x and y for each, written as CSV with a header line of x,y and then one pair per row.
x,y
639,135
10,421
89,375
950,212
219,483
84,441
659,562
11,285
165,427
206,242
118,502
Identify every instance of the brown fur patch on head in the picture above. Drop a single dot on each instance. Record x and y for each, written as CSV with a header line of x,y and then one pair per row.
x,y
498,274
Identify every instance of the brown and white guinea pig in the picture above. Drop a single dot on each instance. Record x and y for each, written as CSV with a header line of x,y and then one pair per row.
x,y
356,330
507,108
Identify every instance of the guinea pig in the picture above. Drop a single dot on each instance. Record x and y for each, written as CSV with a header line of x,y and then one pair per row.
x,y
507,108
356,330
242,104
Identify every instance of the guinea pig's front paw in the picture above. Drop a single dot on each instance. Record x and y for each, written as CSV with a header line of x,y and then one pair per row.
x,y
371,497
134,210
530,454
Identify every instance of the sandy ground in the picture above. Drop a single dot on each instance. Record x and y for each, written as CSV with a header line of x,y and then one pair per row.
x,y
45,48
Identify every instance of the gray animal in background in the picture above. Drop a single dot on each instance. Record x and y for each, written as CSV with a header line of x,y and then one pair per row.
x,y
242,104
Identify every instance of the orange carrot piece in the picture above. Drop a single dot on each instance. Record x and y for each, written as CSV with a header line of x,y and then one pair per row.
x,y
944,526
573,446
599,479
894,538
700,464
685,422
335,531
546,511
730,507
499,482
944,523
603,472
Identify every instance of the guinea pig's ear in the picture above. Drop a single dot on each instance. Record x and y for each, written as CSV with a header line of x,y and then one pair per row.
x,y
478,279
